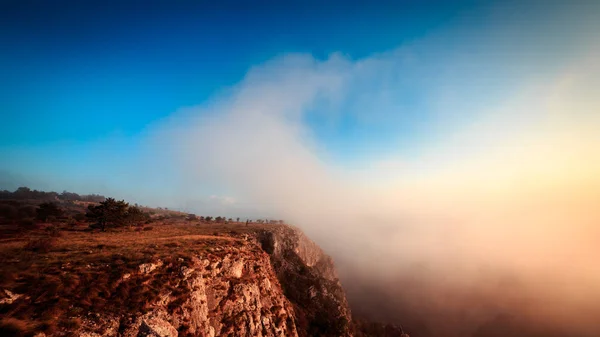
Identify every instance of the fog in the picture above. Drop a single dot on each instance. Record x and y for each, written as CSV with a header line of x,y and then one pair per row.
x,y
486,225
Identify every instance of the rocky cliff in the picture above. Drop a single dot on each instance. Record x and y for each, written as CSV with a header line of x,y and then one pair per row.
x,y
309,281
228,291
267,281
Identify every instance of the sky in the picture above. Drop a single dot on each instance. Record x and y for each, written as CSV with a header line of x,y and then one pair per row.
x,y
451,144
87,83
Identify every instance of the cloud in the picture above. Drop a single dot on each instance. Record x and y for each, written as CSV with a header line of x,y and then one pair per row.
x,y
508,193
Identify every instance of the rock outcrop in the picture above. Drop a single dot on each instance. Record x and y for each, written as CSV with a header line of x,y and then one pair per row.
x,y
227,291
309,281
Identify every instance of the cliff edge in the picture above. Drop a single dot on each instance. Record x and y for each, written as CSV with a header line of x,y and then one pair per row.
x,y
177,279
309,281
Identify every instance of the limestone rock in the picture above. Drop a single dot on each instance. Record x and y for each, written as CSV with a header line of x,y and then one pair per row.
x,y
10,297
146,268
237,295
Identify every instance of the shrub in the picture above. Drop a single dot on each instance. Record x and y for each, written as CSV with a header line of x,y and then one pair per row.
x,y
48,210
8,211
134,215
148,228
79,217
27,212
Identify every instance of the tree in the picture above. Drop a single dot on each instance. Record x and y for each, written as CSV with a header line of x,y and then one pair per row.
x,y
109,213
69,196
208,218
237,220
22,193
47,210
135,215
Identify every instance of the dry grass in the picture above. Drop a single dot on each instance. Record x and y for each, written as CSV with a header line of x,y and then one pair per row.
x,y
79,271
41,245
10,327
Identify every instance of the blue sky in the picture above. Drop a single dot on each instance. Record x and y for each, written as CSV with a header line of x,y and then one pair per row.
x,y
130,64
86,84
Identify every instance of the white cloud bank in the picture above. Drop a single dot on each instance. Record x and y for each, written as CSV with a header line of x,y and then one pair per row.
x,y
510,189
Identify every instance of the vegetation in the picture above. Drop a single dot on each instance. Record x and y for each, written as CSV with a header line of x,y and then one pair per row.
x,y
26,209
136,216
23,193
112,213
47,252
47,210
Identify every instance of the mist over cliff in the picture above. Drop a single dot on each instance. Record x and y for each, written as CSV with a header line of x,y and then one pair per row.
x,y
490,228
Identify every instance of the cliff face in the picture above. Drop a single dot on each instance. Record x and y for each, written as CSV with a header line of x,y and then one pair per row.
x,y
309,281
268,281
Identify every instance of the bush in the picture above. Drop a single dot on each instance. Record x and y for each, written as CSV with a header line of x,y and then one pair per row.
x,y
79,217
8,211
48,211
27,212
149,228
41,245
